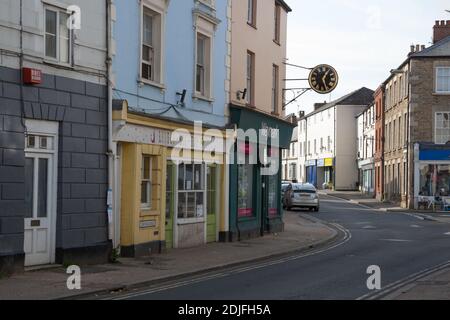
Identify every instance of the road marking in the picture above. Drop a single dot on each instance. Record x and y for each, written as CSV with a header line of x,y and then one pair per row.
x,y
415,226
401,283
447,234
369,227
396,240
347,238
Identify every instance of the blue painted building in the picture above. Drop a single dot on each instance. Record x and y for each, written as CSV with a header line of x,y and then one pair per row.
x,y
171,69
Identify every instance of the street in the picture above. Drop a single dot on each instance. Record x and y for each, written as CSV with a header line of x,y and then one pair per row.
x,y
401,245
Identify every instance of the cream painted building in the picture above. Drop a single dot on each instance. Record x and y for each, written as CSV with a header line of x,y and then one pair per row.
x,y
257,35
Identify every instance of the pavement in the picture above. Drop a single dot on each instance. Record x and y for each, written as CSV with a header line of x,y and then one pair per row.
x,y
301,233
358,198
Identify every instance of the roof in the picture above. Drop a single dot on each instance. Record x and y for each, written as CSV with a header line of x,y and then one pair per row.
x,y
360,97
365,110
439,49
284,5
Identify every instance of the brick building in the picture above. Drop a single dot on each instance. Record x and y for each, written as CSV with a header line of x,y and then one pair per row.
x,y
379,142
416,120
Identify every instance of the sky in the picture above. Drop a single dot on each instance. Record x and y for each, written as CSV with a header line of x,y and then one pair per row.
x,y
363,40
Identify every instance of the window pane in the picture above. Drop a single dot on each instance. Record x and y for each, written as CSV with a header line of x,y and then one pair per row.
x,y
169,191
50,22
191,205
42,188
50,46
29,182
245,191
148,29
64,37
198,175
189,177
144,192
181,177
199,205
146,168
182,213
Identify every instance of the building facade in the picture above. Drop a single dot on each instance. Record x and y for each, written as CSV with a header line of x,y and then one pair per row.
x,y
366,150
258,33
330,142
416,107
171,76
53,133
379,143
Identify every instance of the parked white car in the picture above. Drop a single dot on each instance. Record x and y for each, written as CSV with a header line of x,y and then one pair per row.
x,y
304,196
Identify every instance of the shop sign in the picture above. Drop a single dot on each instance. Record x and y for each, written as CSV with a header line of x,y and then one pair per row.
x,y
311,163
328,162
145,135
321,163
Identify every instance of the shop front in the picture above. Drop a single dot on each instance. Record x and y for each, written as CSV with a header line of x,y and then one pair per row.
x,y
325,173
432,173
367,176
255,196
311,172
168,199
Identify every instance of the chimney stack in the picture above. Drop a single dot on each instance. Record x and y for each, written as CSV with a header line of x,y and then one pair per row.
x,y
319,105
441,30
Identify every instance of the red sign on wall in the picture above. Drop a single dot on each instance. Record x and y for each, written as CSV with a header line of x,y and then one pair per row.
x,y
32,76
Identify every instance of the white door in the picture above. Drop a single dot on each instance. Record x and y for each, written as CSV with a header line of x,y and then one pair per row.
x,y
38,231
41,192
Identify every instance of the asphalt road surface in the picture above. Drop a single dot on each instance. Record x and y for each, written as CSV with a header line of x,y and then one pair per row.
x,y
401,245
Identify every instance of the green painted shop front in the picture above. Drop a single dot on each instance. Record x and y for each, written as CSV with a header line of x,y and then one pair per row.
x,y
255,199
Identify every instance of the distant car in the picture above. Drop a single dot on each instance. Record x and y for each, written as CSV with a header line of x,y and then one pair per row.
x,y
304,196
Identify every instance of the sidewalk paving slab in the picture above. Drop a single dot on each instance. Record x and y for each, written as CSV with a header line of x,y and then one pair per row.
x,y
301,233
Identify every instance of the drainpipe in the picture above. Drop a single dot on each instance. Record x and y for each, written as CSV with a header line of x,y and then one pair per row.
x,y
111,146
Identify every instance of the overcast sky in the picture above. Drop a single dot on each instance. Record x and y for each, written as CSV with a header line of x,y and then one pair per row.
x,y
363,40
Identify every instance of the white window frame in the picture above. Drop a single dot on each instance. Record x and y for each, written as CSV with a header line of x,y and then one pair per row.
x,y
436,128
57,59
159,7
437,81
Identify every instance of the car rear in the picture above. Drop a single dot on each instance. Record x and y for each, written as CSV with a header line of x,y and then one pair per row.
x,y
304,197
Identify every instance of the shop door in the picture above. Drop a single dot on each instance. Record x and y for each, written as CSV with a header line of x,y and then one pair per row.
x,y
170,203
39,233
212,188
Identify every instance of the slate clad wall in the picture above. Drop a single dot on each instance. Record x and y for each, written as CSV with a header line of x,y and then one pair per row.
x,y
81,109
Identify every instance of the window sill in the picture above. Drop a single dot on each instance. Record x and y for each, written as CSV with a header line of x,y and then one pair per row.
x,y
186,221
198,96
56,63
441,94
151,83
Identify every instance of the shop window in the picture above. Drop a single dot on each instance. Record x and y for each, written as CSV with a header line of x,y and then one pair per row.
x,y
191,191
434,180
442,127
245,191
273,196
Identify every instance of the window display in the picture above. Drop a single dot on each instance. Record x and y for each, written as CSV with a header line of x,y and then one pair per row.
x,y
434,180
245,191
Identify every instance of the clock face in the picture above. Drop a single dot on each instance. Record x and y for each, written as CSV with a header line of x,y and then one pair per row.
x,y
323,79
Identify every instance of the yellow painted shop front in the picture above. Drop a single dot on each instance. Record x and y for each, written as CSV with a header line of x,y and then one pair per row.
x,y
166,202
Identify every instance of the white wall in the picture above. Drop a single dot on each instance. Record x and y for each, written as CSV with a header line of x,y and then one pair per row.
x,y
346,147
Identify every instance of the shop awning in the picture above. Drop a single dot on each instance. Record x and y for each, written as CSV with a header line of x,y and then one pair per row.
x,y
246,118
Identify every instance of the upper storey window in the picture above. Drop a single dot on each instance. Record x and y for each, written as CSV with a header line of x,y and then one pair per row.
x,y
57,36
151,45
251,12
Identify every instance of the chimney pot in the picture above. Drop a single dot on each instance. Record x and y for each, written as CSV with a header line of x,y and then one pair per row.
x,y
417,47
442,22
422,48
413,48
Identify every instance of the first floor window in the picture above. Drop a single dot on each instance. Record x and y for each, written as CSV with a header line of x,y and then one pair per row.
x,y
146,182
443,80
245,191
191,191
57,35
250,78
203,68
151,45
442,127
275,86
